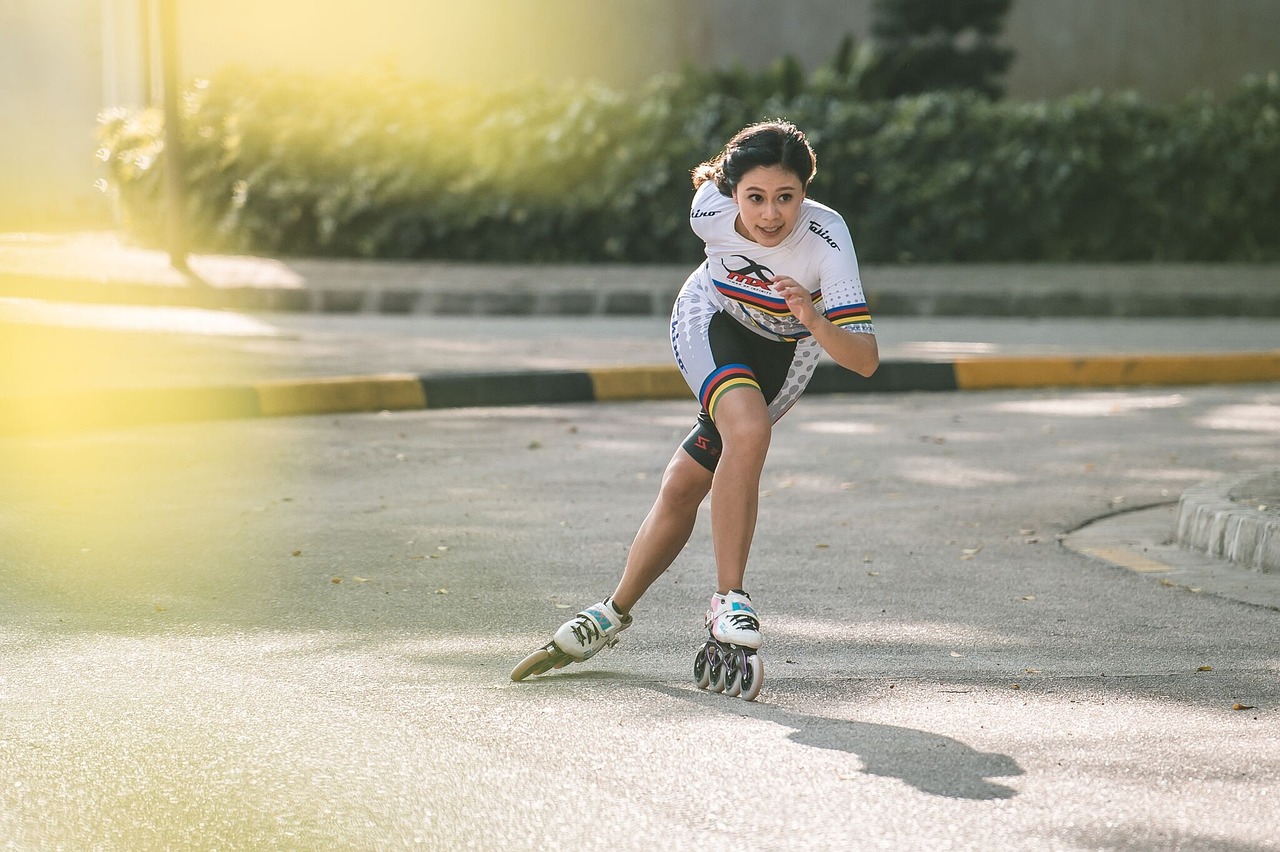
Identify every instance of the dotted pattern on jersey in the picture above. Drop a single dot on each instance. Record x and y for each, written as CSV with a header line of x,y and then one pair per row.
x,y
690,343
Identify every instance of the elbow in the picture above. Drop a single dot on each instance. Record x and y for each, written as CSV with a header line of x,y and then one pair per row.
x,y
868,368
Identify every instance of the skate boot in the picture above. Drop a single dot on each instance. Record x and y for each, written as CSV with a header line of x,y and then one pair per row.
x,y
730,661
580,638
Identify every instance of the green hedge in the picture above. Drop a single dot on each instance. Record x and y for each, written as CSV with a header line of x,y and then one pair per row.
x,y
382,166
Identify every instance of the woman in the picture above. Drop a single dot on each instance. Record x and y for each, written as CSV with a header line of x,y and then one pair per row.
x,y
779,286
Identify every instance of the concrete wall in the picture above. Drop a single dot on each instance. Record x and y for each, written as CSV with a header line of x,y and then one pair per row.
x,y
63,60
1161,48
51,88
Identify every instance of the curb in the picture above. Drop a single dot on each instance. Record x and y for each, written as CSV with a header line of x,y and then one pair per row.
x,y
1214,520
108,409
1141,541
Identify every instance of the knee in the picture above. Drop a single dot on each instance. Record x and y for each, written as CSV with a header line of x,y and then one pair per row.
x,y
746,436
684,484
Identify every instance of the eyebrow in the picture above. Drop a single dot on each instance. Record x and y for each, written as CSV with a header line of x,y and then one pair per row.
x,y
787,188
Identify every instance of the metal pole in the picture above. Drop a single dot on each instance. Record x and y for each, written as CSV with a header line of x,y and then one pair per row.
x,y
175,200
148,52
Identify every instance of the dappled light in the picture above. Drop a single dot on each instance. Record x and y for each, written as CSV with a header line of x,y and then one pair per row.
x,y
950,473
1258,417
890,633
841,427
1092,404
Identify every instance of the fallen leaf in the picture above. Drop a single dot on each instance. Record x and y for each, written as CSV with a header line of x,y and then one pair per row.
x,y
1031,671
336,580
1243,707
956,654
1015,686
442,591
873,573
1205,669
822,545
442,548
361,579
970,552
535,445
297,553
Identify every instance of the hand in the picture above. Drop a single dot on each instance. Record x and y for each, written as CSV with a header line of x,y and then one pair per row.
x,y
799,299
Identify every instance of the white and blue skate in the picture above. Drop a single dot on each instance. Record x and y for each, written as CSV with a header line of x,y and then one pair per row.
x,y
729,661
580,638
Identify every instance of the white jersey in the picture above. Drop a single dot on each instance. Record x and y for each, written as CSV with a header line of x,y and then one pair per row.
x,y
818,253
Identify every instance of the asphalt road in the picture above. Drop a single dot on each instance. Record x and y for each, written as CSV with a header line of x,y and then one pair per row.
x,y
296,634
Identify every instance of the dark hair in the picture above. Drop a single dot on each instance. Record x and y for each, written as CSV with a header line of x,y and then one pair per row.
x,y
768,143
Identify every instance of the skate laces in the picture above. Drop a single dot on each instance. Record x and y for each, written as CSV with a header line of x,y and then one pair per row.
x,y
742,621
585,629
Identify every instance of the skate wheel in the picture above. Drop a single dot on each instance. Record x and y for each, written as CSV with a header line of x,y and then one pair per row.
x,y
734,665
702,666
752,677
544,659
715,670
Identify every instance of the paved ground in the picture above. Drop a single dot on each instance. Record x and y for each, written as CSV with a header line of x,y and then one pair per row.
x,y
296,633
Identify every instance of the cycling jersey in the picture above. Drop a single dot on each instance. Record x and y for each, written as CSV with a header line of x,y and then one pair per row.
x,y
733,284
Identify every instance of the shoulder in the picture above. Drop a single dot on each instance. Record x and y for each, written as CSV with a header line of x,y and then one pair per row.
x,y
825,225
711,215
708,202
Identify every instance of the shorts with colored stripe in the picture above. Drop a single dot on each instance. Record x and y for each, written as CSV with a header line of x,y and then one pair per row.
x,y
716,354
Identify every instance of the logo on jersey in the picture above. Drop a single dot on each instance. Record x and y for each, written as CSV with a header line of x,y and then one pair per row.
x,y
823,234
752,273
702,214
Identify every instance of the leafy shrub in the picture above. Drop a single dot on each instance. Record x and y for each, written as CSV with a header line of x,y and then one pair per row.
x,y
381,166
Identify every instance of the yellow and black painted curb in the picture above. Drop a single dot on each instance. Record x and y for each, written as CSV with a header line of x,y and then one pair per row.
x,y
108,409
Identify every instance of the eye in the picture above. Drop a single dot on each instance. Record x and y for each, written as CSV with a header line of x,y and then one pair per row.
x,y
755,198
785,198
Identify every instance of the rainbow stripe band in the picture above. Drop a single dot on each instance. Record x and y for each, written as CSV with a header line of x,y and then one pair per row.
x,y
722,380
849,314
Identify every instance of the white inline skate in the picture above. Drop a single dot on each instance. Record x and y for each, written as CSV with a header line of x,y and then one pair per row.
x,y
730,662
580,638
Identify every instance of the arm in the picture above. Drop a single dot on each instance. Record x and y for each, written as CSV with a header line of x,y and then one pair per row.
x,y
853,350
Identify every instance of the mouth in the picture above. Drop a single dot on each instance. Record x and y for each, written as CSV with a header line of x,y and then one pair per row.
x,y
769,232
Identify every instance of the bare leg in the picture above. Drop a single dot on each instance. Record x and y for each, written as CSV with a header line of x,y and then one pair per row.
x,y
665,530
742,418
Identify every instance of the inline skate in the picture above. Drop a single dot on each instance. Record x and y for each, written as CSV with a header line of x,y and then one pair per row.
x,y
729,661
580,638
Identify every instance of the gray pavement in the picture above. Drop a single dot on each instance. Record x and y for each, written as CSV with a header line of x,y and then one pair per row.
x,y
296,633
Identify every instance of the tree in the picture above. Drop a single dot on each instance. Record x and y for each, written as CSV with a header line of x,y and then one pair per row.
x,y
925,45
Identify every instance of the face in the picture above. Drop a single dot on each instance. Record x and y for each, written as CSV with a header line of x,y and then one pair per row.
x,y
768,200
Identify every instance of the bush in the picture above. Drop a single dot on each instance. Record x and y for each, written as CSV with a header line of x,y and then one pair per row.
x,y
381,166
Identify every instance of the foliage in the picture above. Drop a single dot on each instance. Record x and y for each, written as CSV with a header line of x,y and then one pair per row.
x,y
923,46
381,166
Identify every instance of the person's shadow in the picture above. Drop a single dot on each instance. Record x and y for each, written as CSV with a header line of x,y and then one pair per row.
x,y
931,763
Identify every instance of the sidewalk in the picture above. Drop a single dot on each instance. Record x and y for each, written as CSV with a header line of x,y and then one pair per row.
x,y
76,299
100,268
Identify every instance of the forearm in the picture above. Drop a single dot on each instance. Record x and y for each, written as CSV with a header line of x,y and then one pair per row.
x,y
856,351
